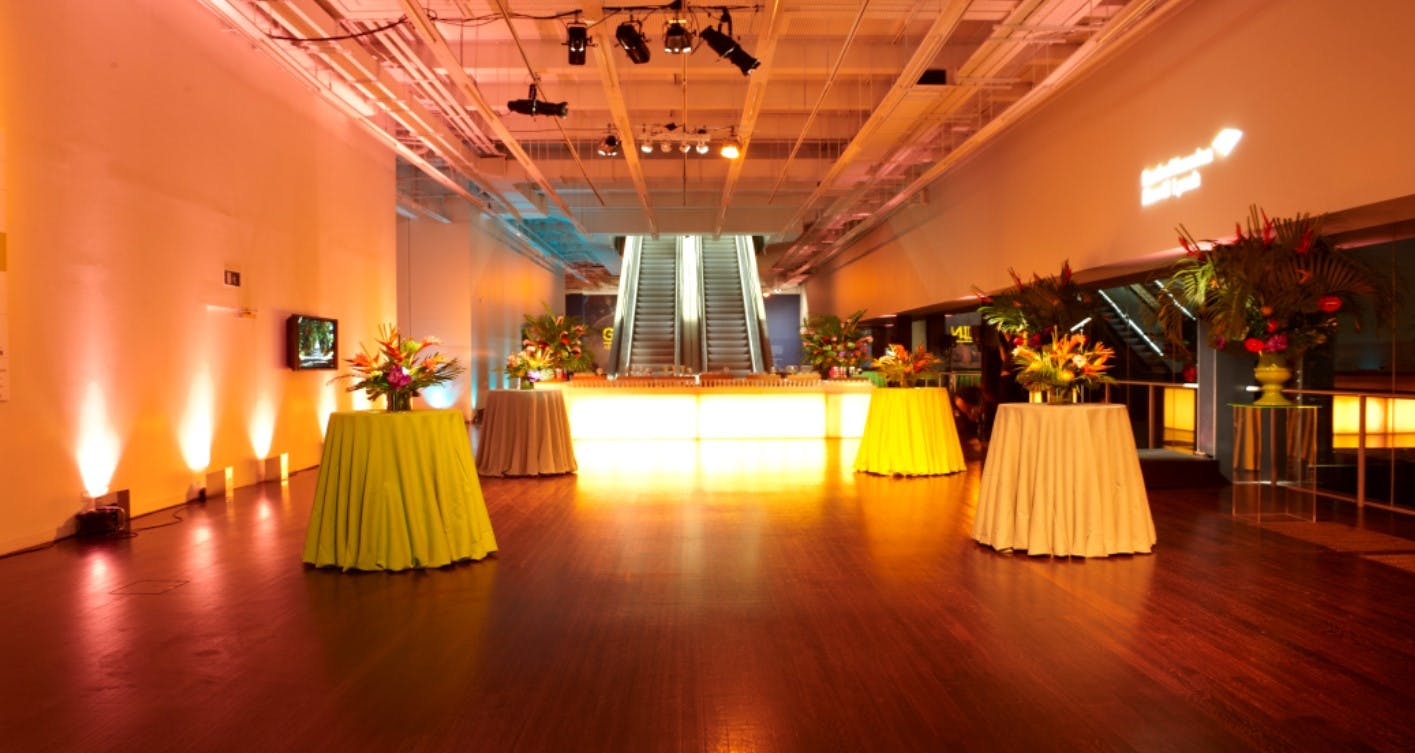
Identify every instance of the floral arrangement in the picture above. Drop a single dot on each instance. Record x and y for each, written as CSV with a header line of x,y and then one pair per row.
x,y
1276,289
528,363
827,341
1029,310
1064,364
902,368
398,369
557,339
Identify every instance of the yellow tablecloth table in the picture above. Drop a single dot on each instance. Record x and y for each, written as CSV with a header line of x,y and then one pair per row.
x,y
910,432
397,491
525,433
1063,480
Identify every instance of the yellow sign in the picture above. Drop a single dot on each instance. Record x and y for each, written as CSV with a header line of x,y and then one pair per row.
x,y
962,334
608,334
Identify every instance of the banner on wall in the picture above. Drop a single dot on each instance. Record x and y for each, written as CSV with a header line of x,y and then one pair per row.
x,y
4,328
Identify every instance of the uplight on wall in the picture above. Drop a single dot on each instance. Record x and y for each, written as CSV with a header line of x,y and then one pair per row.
x,y
98,447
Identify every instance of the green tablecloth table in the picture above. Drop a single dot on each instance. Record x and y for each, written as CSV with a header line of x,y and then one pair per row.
x,y
397,491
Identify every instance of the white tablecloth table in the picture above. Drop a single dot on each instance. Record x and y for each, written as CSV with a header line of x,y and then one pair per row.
x,y
1063,480
525,433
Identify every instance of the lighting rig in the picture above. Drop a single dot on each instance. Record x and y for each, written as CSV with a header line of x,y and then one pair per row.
x,y
533,106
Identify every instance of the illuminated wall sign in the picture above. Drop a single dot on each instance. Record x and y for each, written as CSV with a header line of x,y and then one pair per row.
x,y
1180,175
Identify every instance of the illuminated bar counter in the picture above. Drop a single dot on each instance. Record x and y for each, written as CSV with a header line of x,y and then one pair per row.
x,y
678,408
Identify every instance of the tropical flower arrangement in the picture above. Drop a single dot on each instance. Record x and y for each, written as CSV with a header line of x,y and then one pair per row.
x,y
556,338
901,368
528,364
1062,365
828,342
1027,311
398,369
1277,289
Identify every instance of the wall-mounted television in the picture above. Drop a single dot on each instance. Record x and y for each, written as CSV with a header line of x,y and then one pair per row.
x,y
311,342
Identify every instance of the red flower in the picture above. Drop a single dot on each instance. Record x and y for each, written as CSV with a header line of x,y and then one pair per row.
x,y
1191,374
1329,303
1065,272
1305,243
1269,234
1189,250
1272,326
1238,231
1254,345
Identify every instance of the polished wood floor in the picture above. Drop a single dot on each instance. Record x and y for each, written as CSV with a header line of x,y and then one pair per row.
x,y
747,597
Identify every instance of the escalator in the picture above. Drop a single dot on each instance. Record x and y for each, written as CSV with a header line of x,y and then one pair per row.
x,y
689,302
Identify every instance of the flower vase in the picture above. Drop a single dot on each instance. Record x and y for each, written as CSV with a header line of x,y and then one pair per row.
x,y
526,383
1272,373
398,401
1061,396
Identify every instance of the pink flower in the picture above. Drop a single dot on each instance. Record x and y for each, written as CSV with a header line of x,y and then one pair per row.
x,y
1275,344
398,378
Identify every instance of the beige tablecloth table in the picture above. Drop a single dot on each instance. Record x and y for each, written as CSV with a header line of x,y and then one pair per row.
x,y
1063,480
525,433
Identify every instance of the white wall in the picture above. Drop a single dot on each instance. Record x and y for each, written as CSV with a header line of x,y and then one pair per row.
x,y
1320,88
458,281
147,148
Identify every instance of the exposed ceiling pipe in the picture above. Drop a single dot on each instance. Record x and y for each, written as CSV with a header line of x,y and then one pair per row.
x,y
364,73
924,55
619,113
990,59
1129,24
756,95
569,143
815,110
427,30
431,84
281,52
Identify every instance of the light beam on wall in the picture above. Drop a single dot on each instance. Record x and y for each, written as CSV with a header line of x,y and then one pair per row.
x,y
98,448
262,427
196,430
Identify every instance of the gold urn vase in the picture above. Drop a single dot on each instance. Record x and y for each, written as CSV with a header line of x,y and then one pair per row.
x,y
1272,373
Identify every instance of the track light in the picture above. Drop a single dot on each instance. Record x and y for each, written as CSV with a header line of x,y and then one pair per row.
x,y
631,37
725,46
702,145
577,40
646,147
609,147
532,106
731,148
676,37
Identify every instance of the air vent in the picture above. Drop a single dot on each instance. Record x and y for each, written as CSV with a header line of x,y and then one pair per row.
x,y
934,77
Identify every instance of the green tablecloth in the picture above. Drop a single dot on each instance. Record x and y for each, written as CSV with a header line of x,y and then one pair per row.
x,y
397,491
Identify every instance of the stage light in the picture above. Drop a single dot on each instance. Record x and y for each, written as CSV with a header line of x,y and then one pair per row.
x,y
731,149
684,147
665,147
646,147
609,147
631,38
532,106
577,41
727,47
702,145
676,37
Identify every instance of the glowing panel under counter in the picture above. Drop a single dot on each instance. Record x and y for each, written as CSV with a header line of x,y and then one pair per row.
x,y
715,412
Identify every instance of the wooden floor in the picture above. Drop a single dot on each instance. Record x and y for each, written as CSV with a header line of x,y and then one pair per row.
x,y
748,597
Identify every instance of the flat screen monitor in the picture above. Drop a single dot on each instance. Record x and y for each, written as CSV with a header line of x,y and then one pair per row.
x,y
311,342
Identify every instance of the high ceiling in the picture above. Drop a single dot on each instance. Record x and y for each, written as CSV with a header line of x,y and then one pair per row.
x,y
854,108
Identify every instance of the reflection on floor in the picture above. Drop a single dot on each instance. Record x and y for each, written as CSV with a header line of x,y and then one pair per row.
x,y
753,596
